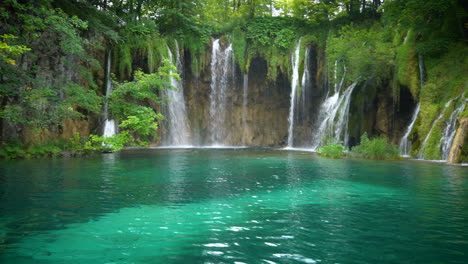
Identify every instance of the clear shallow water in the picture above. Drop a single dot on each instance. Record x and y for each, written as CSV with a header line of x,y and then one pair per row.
x,y
231,206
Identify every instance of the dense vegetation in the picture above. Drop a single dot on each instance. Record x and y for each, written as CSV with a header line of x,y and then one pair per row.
x,y
52,55
376,148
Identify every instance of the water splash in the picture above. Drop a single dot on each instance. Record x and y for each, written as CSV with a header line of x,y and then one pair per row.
x,y
294,86
450,130
222,72
178,129
405,144
109,124
333,118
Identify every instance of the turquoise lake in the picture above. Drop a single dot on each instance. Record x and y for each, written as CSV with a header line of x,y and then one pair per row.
x,y
231,206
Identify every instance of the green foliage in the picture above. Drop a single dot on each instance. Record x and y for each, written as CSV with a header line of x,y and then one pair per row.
x,y
139,40
376,148
15,149
407,65
34,99
239,46
281,32
446,75
10,51
363,50
128,99
436,22
97,144
432,149
12,150
77,96
332,150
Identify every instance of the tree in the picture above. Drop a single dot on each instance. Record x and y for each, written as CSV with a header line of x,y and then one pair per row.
x,y
129,102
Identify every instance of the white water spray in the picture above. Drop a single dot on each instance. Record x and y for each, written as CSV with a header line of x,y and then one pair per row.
x,y
333,118
294,85
405,144
109,124
222,71
421,154
178,129
450,131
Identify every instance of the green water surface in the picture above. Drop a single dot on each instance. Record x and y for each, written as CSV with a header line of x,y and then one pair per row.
x,y
231,206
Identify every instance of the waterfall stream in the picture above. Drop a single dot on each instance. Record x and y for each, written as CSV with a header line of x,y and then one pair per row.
x,y
245,91
109,124
294,85
421,154
222,73
450,130
405,144
178,130
305,81
422,70
333,118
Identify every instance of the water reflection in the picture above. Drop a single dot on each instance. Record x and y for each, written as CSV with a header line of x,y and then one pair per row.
x,y
232,206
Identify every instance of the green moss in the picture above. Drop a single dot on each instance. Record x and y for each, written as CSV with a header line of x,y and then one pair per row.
x,y
124,58
407,65
447,74
464,113
277,60
428,113
239,46
432,149
197,45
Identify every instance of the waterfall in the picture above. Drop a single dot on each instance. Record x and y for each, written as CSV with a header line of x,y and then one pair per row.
x,y
109,125
222,71
339,85
245,91
294,85
333,118
305,81
405,144
422,70
423,146
178,130
450,130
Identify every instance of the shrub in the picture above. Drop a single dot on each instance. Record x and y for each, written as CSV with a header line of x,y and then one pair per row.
x,y
98,144
332,150
376,148
15,149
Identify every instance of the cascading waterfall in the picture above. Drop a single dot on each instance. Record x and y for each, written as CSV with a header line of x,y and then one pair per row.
x,y
178,130
450,130
294,85
109,124
222,72
405,144
423,146
333,118
245,91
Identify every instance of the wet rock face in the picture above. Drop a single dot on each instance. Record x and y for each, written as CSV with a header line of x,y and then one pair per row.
x,y
50,68
262,120
459,142
266,110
